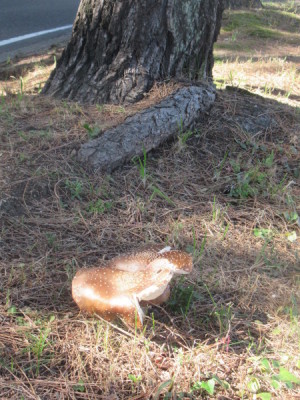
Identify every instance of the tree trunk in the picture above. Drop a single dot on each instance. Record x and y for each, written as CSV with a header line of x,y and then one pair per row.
x,y
119,48
235,4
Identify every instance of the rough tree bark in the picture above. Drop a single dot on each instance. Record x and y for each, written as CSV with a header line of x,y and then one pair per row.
x,y
236,4
119,48
148,129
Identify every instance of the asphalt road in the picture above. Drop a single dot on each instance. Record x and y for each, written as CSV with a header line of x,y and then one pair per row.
x,y
25,17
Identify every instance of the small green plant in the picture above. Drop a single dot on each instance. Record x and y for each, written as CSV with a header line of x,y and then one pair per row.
x,y
100,107
273,374
153,322
183,136
291,216
176,231
21,91
97,330
231,77
99,206
167,385
75,188
23,157
39,89
51,240
222,313
38,346
268,162
106,339
234,35
120,110
197,250
135,379
161,194
254,180
263,233
181,298
92,131
80,387
202,246
215,211
71,269
207,386
248,183
141,165
226,229
221,166
12,310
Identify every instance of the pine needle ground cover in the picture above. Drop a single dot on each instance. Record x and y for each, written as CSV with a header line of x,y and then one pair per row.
x,y
226,192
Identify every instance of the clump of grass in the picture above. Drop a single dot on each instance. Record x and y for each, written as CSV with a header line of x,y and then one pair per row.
x,y
93,132
99,206
141,163
181,299
75,188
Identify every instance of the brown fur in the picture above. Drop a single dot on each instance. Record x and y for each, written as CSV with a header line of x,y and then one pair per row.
x,y
115,290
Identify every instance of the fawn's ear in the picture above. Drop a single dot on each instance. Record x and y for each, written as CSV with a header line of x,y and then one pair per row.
x,y
178,261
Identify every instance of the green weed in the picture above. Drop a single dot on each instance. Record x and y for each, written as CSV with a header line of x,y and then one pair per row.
x,y
226,229
92,131
99,206
157,192
167,385
100,107
263,233
254,180
153,323
120,110
21,92
222,313
207,386
181,299
177,228
71,269
197,249
291,216
79,387
141,165
135,379
12,310
272,374
220,167
37,347
52,240
75,188
183,136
